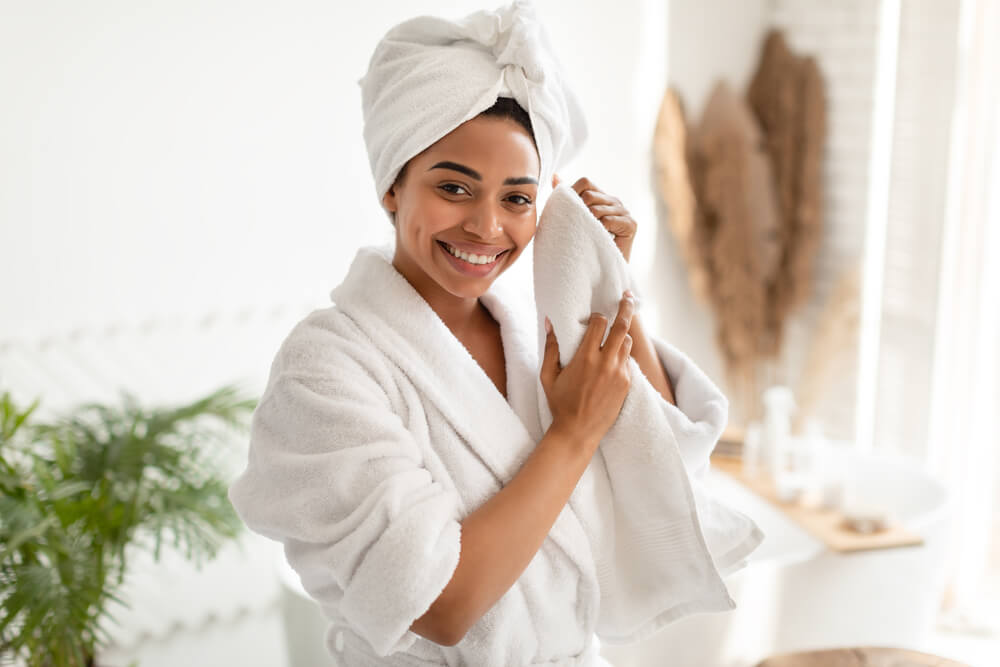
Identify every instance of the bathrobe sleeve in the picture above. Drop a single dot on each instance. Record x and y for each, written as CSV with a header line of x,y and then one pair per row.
x,y
702,410
336,477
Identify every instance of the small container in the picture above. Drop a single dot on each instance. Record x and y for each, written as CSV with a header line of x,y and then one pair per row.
x,y
779,404
752,461
806,452
823,484
789,487
865,519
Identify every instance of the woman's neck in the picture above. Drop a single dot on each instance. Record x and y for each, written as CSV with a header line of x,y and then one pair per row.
x,y
459,314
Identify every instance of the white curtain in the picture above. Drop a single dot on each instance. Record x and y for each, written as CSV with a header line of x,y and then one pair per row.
x,y
964,408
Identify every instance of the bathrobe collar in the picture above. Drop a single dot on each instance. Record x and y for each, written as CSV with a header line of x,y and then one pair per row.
x,y
407,330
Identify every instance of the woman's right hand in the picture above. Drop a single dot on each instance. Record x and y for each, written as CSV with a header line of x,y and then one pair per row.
x,y
586,396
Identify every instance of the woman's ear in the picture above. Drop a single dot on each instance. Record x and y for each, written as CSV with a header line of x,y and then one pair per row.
x,y
389,199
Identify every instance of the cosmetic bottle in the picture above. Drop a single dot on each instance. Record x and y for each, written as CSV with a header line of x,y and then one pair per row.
x,y
779,404
752,454
824,479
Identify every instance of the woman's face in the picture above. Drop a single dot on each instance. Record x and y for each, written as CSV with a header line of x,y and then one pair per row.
x,y
473,191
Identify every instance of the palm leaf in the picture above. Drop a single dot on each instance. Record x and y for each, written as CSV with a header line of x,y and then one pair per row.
x,y
76,491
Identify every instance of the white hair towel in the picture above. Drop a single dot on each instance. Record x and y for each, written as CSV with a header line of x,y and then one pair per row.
x,y
428,75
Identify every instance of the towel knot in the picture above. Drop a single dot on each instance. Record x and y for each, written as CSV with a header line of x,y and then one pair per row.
x,y
517,45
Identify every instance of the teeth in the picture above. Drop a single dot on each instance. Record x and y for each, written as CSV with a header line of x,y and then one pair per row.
x,y
471,259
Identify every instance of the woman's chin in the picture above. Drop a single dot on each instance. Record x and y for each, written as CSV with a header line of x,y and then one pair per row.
x,y
467,290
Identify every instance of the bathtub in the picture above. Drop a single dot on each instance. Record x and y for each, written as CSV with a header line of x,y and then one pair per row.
x,y
795,594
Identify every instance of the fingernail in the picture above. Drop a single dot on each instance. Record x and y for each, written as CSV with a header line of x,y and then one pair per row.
x,y
628,292
548,325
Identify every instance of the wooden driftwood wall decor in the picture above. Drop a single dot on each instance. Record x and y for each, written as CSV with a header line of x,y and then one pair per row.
x,y
743,191
737,228
670,144
788,98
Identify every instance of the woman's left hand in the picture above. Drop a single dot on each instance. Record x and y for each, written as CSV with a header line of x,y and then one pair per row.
x,y
610,212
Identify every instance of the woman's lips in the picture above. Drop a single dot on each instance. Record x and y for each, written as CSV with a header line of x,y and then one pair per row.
x,y
476,248
466,268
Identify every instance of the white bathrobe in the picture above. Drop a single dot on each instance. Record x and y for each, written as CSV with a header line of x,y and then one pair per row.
x,y
378,433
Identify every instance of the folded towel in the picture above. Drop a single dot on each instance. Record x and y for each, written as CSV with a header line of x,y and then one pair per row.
x,y
428,75
659,540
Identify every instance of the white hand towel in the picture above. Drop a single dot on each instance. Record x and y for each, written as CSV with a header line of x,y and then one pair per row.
x,y
659,540
428,75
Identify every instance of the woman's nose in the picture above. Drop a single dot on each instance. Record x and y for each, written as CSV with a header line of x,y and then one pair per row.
x,y
485,221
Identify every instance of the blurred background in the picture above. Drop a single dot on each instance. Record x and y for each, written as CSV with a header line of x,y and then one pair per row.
x,y
181,181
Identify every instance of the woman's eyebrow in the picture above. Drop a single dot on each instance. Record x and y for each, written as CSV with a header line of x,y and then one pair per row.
x,y
472,173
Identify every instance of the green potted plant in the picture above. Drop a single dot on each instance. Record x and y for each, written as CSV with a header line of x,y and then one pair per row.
x,y
81,491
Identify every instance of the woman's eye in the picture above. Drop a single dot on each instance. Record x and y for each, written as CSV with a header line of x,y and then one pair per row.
x,y
452,185
524,200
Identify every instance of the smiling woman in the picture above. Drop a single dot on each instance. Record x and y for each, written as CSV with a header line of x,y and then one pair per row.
x,y
398,452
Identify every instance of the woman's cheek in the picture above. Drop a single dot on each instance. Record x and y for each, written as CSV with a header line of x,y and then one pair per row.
x,y
527,230
444,213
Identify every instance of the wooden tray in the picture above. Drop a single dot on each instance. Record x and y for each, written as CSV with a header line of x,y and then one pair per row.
x,y
866,656
822,524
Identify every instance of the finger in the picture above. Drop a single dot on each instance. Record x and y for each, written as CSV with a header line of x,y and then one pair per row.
x,y
583,184
595,332
626,349
621,325
592,196
601,210
555,180
550,360
619,225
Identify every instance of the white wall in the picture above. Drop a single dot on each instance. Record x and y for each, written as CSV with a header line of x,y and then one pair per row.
x,y
172,157
713,39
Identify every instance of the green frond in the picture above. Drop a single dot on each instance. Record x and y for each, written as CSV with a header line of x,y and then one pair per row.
x,y
77,491
11,418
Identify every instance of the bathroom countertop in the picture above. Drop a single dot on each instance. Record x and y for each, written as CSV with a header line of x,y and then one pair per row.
x,y
824,524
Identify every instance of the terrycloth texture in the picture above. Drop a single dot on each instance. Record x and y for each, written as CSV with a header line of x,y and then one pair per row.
x,y
378,432
642,516
428,75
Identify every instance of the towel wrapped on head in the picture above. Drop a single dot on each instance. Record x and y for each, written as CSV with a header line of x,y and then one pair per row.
x,y
428,75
